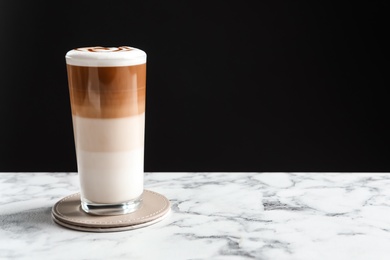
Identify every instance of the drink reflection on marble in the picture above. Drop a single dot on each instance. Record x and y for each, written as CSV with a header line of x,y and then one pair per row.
x,y
107,95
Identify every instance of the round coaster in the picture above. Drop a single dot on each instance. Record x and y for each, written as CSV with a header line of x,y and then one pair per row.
x,y
67,212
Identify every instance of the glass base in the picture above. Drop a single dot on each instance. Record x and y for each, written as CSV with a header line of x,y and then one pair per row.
x,y
111,209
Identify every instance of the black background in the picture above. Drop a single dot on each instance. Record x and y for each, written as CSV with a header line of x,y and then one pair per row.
x,y
231,86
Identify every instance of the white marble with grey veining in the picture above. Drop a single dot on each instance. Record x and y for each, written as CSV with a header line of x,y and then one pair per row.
x,y
214,216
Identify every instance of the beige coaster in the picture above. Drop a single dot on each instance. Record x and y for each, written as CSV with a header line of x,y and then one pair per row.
x,y
68,213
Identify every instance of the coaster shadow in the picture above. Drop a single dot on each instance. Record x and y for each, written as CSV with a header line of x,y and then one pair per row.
x,y
27,221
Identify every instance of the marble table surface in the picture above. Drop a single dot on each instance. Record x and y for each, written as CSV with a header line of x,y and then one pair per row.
x,y
214,216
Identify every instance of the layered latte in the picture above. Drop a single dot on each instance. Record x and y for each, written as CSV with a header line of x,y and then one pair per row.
x,y
107,93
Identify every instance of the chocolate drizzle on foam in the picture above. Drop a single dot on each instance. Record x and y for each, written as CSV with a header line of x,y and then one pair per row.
x,y
105,49
98,56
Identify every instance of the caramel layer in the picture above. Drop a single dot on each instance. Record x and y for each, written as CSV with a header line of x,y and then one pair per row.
x,y
107,92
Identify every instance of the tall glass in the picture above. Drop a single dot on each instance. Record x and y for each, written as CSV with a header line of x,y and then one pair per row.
x,y
107,95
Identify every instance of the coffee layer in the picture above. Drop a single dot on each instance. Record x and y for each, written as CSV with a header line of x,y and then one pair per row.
x,y
107,92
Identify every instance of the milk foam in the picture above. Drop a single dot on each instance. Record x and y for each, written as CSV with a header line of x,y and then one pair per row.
x,y
98,56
